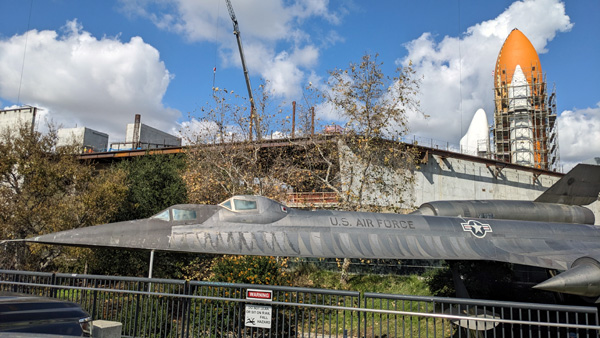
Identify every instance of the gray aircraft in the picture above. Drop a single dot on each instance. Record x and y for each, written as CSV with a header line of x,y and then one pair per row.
x,y
549,232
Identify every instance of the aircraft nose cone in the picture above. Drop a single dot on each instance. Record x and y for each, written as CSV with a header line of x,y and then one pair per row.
x,y
139,234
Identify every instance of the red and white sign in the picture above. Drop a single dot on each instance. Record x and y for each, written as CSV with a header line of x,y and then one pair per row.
x,y
259,294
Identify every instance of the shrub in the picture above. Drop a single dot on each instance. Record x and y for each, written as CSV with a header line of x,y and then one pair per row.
x,y
251,270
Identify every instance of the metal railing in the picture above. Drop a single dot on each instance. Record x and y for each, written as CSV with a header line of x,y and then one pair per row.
x,y
176,308
445,317
295,199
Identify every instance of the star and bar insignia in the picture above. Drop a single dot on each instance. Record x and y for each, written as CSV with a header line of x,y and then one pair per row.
x,y
477,228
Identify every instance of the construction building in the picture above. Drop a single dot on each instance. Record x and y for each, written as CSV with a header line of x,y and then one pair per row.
x,y
88,140
524,130
11,118
141,136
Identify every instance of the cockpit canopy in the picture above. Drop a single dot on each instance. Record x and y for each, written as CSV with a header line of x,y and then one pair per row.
x,y
237,209
176,214
239,203
186,213
252,209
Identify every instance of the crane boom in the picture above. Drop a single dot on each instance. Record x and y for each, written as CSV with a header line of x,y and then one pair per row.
x,y
236,32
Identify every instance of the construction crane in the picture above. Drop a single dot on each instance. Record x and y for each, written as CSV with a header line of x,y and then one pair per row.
x,y
253,115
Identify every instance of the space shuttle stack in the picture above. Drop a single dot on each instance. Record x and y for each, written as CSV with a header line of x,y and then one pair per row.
x,y
525,129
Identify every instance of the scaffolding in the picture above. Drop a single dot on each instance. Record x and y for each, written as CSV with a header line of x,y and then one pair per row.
x,y
525,130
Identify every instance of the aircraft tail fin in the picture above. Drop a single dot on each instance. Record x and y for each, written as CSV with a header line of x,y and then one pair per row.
x,y
580,186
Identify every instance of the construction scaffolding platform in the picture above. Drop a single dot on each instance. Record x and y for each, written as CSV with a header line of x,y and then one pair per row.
x,y
525,130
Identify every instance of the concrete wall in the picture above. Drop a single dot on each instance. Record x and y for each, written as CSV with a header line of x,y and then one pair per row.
x,y
447,178
84,137
377,185
11,118
595,208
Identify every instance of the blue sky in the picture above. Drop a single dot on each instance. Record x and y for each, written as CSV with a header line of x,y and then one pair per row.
x,y
97,63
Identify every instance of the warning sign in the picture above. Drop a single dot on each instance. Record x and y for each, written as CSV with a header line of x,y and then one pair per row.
x,y
259,294
258,316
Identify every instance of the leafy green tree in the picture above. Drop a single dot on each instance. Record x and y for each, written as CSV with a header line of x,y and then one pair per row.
x,y
153,183
45,189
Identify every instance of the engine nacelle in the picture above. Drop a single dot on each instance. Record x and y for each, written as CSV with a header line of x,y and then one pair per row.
x,y
513,210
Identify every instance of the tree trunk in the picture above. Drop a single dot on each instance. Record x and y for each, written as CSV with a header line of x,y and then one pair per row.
x,y
344,275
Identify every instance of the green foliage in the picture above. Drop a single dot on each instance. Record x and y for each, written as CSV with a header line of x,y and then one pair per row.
x,y
251,270
154,183
402,285
198,267
393,284
375,172
45,189
440,282
119,262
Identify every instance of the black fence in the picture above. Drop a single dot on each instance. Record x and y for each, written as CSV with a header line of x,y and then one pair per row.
x,y
174,308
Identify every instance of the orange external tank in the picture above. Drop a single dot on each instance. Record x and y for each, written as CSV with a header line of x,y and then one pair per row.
x,y
517,50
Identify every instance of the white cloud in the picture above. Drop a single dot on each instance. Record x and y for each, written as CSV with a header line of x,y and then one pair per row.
x,y
307,8
203,131
283,73
194,130
579,135
266,20
264,24
446,80
305,57
81,80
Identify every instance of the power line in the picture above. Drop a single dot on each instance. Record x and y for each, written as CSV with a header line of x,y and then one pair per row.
x,y
460,76
24,53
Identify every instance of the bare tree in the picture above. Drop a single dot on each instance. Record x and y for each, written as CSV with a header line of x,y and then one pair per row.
x,y
221,163
374,167
364,165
